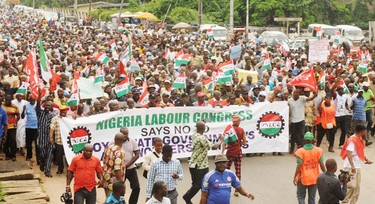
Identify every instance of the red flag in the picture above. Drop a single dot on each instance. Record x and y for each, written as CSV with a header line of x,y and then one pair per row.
x,y
76,74
306,79
54,80
121,66
32,70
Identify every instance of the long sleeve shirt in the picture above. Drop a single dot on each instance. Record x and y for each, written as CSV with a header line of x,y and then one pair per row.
x,y
162,171
330,190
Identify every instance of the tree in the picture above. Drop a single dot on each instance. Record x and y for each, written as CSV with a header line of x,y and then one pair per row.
x,y
181,14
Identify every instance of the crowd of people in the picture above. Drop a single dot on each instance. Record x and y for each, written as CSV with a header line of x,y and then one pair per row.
x,y
146,59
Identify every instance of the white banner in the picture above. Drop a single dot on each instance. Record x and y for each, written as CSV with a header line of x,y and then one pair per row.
x,y
265,125
318,51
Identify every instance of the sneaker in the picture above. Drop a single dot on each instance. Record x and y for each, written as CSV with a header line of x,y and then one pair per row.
x,y
340,147
59,172
331,150
48,175
368,143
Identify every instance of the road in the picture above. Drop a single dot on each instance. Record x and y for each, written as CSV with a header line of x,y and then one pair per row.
x,y
269,178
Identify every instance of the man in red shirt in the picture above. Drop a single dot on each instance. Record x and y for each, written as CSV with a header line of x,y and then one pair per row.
x,y
83,167
234,151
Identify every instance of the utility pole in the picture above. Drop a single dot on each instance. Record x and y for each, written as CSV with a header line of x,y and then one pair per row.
x,y
119,13
90,6
75,7
199,12
247,16
231,16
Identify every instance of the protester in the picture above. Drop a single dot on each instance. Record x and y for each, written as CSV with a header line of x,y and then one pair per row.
x,y
165,169
309,158
159,193
21,134
56,140
113,164
13,115
353,152
31,128
150,157
83,168
216,187
131,150
327,125
329,187
117,196
3,125
233,149
198,164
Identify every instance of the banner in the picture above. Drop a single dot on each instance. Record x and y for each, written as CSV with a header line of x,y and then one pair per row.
x,y
318,51
265,125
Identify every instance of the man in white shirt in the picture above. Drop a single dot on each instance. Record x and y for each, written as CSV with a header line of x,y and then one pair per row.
x,y
353,153
340,99
297,117
159,191
131,149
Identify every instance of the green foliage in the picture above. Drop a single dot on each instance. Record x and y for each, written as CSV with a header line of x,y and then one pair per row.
x,y
2,194
262,12
181,14
103,14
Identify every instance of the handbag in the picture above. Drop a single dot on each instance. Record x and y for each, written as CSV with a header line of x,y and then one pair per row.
x,y
144,171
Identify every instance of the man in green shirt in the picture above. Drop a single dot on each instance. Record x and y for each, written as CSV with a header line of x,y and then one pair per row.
x,y
198,164
369,96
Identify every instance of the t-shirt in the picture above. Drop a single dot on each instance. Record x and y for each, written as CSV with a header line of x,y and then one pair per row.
x,y
3,120
356,160
368,95
340,105
13,114
219,186
297,109
153,200
129,147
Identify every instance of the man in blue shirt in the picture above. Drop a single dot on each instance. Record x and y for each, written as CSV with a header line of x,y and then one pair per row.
x,y
29,111
117,196
217,184
3,125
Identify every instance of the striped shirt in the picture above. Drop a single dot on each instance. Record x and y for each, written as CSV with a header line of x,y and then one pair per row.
x,y
55,126
44,121
162,171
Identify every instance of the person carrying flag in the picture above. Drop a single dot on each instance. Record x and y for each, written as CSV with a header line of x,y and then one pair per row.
x,y
234,151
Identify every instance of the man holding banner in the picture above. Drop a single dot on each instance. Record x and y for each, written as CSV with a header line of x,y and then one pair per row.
x,y
234,138
198,164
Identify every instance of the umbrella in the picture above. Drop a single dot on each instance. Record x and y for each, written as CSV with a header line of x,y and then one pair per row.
x,y
146,15
181,25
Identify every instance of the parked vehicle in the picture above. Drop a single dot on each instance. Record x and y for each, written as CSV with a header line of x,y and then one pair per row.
x,y
353,33
328,30
220,33
273,38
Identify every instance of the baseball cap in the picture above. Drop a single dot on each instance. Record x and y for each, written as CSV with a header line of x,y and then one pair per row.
x,y
365,83
262,93
220,158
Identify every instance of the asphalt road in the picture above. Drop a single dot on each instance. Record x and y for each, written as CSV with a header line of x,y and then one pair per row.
x,y
269,178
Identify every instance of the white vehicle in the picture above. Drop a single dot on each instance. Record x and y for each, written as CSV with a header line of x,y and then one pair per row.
x,y
327,30
353,33
220,33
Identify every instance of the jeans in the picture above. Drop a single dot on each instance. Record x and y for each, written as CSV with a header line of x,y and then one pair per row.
x,y
297,132
330,135
83,194
10,146
341,121
131,175
31,135
301,193
196,178
369,119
